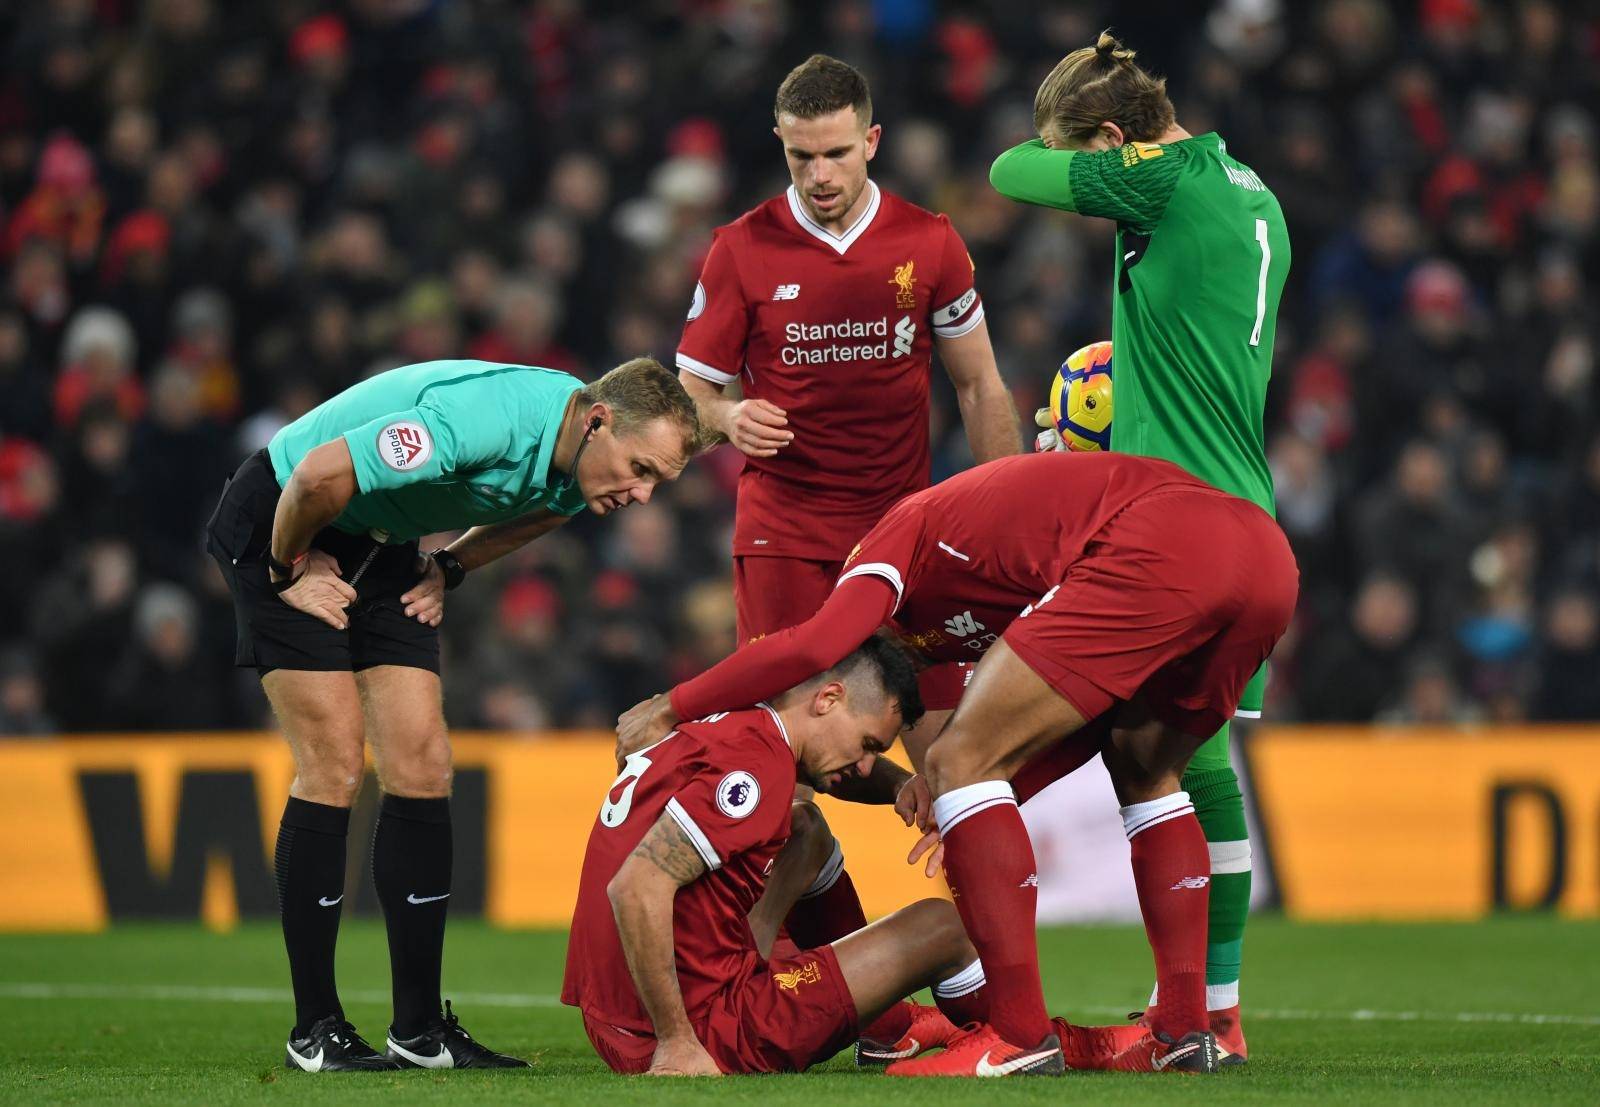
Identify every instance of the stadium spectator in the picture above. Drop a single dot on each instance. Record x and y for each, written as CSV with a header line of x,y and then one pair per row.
x,y
292,199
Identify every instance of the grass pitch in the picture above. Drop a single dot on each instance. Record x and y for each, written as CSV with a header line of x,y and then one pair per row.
x,y
1498,1012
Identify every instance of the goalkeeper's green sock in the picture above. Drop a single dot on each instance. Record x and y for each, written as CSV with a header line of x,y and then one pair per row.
x,y
1213,788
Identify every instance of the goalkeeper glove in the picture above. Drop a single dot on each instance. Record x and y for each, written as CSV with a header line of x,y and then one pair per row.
x,y
1049,438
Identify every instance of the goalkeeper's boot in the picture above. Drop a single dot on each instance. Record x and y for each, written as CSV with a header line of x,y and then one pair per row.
x,y
1094,1047
1195,1052
332,1045
980,1051
1225,1025
929,1029
447,1045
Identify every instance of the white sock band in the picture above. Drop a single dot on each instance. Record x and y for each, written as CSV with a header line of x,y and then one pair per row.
x,y
963,803
1219,997
829,876
963,983
1137,817
1230,857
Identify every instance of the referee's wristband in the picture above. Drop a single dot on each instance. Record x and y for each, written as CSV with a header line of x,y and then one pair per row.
x,y
276,568
450,565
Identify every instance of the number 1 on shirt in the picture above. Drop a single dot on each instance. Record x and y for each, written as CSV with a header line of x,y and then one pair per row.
x,y
1261,282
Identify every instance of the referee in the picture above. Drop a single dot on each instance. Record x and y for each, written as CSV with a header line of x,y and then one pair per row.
x,y
338,612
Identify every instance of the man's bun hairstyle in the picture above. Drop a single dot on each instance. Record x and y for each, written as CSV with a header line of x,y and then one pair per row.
x,y
1101,84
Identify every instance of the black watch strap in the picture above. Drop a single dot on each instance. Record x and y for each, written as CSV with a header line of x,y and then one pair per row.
x,y
450,565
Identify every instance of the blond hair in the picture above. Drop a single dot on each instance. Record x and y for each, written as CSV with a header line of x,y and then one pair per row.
x,y
640,391
1100,84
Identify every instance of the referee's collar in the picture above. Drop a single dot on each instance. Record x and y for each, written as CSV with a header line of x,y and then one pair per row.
x,y
544,468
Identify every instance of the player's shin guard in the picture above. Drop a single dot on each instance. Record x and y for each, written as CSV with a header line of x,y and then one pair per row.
x,y
1219,806
310,869
411,859
1172,872
829,909
988,860
964,997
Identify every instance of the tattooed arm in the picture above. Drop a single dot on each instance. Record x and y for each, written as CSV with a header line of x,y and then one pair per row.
x,y
642,895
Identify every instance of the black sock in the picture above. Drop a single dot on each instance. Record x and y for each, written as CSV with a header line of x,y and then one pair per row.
x,y
411,869
310,866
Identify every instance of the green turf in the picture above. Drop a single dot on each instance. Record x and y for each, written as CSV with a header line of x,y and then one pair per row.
x,y
100,1043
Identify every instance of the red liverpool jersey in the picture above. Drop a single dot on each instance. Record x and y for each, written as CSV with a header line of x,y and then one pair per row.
x,y
837,330
969,555
960,561
727,781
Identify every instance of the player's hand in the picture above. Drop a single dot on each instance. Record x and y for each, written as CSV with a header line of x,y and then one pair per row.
x,y
644,724
682,1057
425,601
914,803
319,591
1048,439
756,428
931,844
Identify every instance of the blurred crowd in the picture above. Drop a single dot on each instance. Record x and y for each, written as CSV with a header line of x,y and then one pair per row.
x,y
212,216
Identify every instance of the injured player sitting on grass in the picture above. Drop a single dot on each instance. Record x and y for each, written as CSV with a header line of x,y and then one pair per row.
x,y
699,856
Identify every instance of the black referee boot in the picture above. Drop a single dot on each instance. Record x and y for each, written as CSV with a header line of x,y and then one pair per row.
x,y
332,1045
446,1045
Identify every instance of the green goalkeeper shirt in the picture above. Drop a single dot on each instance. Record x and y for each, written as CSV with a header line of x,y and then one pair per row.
x,y
1202,255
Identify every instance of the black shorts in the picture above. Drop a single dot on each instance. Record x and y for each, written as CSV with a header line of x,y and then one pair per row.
x,y
273,635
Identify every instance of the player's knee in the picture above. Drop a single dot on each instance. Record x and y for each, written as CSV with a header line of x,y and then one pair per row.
x,y
809,830
952,764
419,768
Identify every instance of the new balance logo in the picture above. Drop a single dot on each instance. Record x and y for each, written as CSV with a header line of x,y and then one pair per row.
x,y
1031,882
905,333
1190,882
787,292
963,624
1044,599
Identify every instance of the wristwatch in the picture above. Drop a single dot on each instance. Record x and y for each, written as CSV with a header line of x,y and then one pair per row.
x,y
454,572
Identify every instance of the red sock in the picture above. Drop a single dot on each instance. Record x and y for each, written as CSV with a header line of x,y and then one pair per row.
x,y
890,1026
988,861
1172,872
970,1008
964,997
828,910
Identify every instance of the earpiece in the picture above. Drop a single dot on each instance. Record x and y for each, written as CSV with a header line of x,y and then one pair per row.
x,y
595,424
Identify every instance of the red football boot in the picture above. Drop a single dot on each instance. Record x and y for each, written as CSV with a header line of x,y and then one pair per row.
x,y
1231,1047
980,1051
929,1029
1094,1047
1154,1052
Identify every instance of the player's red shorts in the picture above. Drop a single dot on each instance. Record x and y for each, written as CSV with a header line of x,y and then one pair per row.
x,y
1182,594
773,593
786,1016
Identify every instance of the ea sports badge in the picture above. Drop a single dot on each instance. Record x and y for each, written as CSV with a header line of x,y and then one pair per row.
x,y
738,794
404,445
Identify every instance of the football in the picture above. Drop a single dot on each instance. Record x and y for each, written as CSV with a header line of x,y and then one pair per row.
x,y
1080,398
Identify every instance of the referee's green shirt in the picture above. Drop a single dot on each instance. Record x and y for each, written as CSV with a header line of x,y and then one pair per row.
x,y
442,445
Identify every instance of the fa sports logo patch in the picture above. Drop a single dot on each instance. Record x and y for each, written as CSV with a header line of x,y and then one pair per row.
x,y
809,973
738,794
404,446
905,279
698,304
